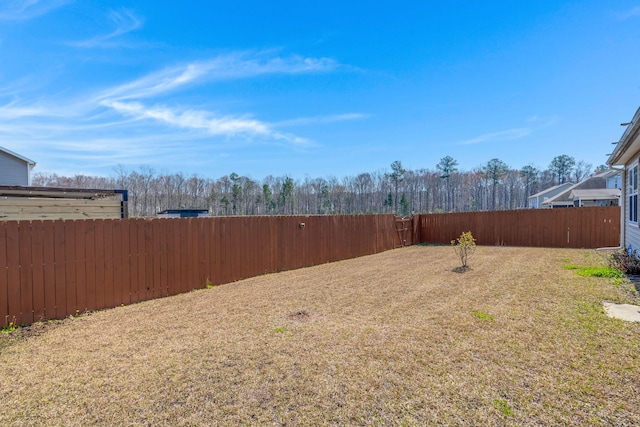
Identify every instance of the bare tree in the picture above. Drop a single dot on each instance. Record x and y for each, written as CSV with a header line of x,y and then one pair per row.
x,y
581,171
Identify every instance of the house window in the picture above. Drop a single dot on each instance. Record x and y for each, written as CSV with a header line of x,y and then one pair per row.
x,y
633,192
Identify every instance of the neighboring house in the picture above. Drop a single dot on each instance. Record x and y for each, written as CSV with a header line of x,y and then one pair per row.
x,y
591,191
14,168
626,155
535,201
184,213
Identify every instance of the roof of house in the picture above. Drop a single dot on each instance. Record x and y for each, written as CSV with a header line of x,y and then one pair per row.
x,y
550,189
598,181
18,156
596,194
629,143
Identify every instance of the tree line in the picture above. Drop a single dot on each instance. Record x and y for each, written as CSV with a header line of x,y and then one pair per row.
x,y
445,188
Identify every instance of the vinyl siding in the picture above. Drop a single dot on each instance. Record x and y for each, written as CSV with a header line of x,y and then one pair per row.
x,y
13,171
631,231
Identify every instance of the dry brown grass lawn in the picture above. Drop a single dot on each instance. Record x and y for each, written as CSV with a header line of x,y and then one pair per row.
x,y
396,338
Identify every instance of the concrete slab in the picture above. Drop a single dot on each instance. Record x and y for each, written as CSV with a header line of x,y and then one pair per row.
x,y
628,312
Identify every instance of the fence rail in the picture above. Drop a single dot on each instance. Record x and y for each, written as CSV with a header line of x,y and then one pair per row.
x,y
51,269
591,227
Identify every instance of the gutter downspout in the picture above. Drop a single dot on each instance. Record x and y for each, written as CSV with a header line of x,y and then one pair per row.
x,y
622,209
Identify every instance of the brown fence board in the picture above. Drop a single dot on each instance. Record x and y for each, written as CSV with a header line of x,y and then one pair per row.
x,y
13,273
4,284
192,250
125,252
80,266
60,270
176,285
145,285
48,269
140,268
37,270
173,270
90,271
117,287
110,299
69,266
100,247
159,284
26,290
136,257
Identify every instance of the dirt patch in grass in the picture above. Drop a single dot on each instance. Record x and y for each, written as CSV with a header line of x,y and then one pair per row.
x,y
397,338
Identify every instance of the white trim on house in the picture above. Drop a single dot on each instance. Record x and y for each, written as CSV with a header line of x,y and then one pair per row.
x,y
632,193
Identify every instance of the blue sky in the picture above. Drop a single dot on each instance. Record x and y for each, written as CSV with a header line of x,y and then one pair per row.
x,y
313,88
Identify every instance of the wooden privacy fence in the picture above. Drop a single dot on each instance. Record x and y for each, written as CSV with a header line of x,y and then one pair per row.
x,y
51,269
591,227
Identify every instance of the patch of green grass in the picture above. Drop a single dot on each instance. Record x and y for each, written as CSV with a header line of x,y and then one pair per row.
x,y
503,406
484,316
602,271
280,329
8,328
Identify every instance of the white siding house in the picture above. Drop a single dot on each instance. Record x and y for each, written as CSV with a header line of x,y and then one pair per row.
x,y
625,157
14,168
535,201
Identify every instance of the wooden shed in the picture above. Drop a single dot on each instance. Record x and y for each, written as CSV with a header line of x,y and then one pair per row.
x,y
33,203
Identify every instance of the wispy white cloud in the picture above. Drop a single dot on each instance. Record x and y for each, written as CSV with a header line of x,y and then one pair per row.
x,y
631,13
22,10
505,135
124,20
202,120
224,67
323,119
13,111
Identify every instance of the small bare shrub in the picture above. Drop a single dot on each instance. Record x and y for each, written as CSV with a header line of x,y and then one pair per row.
x,y
465,246
628,263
